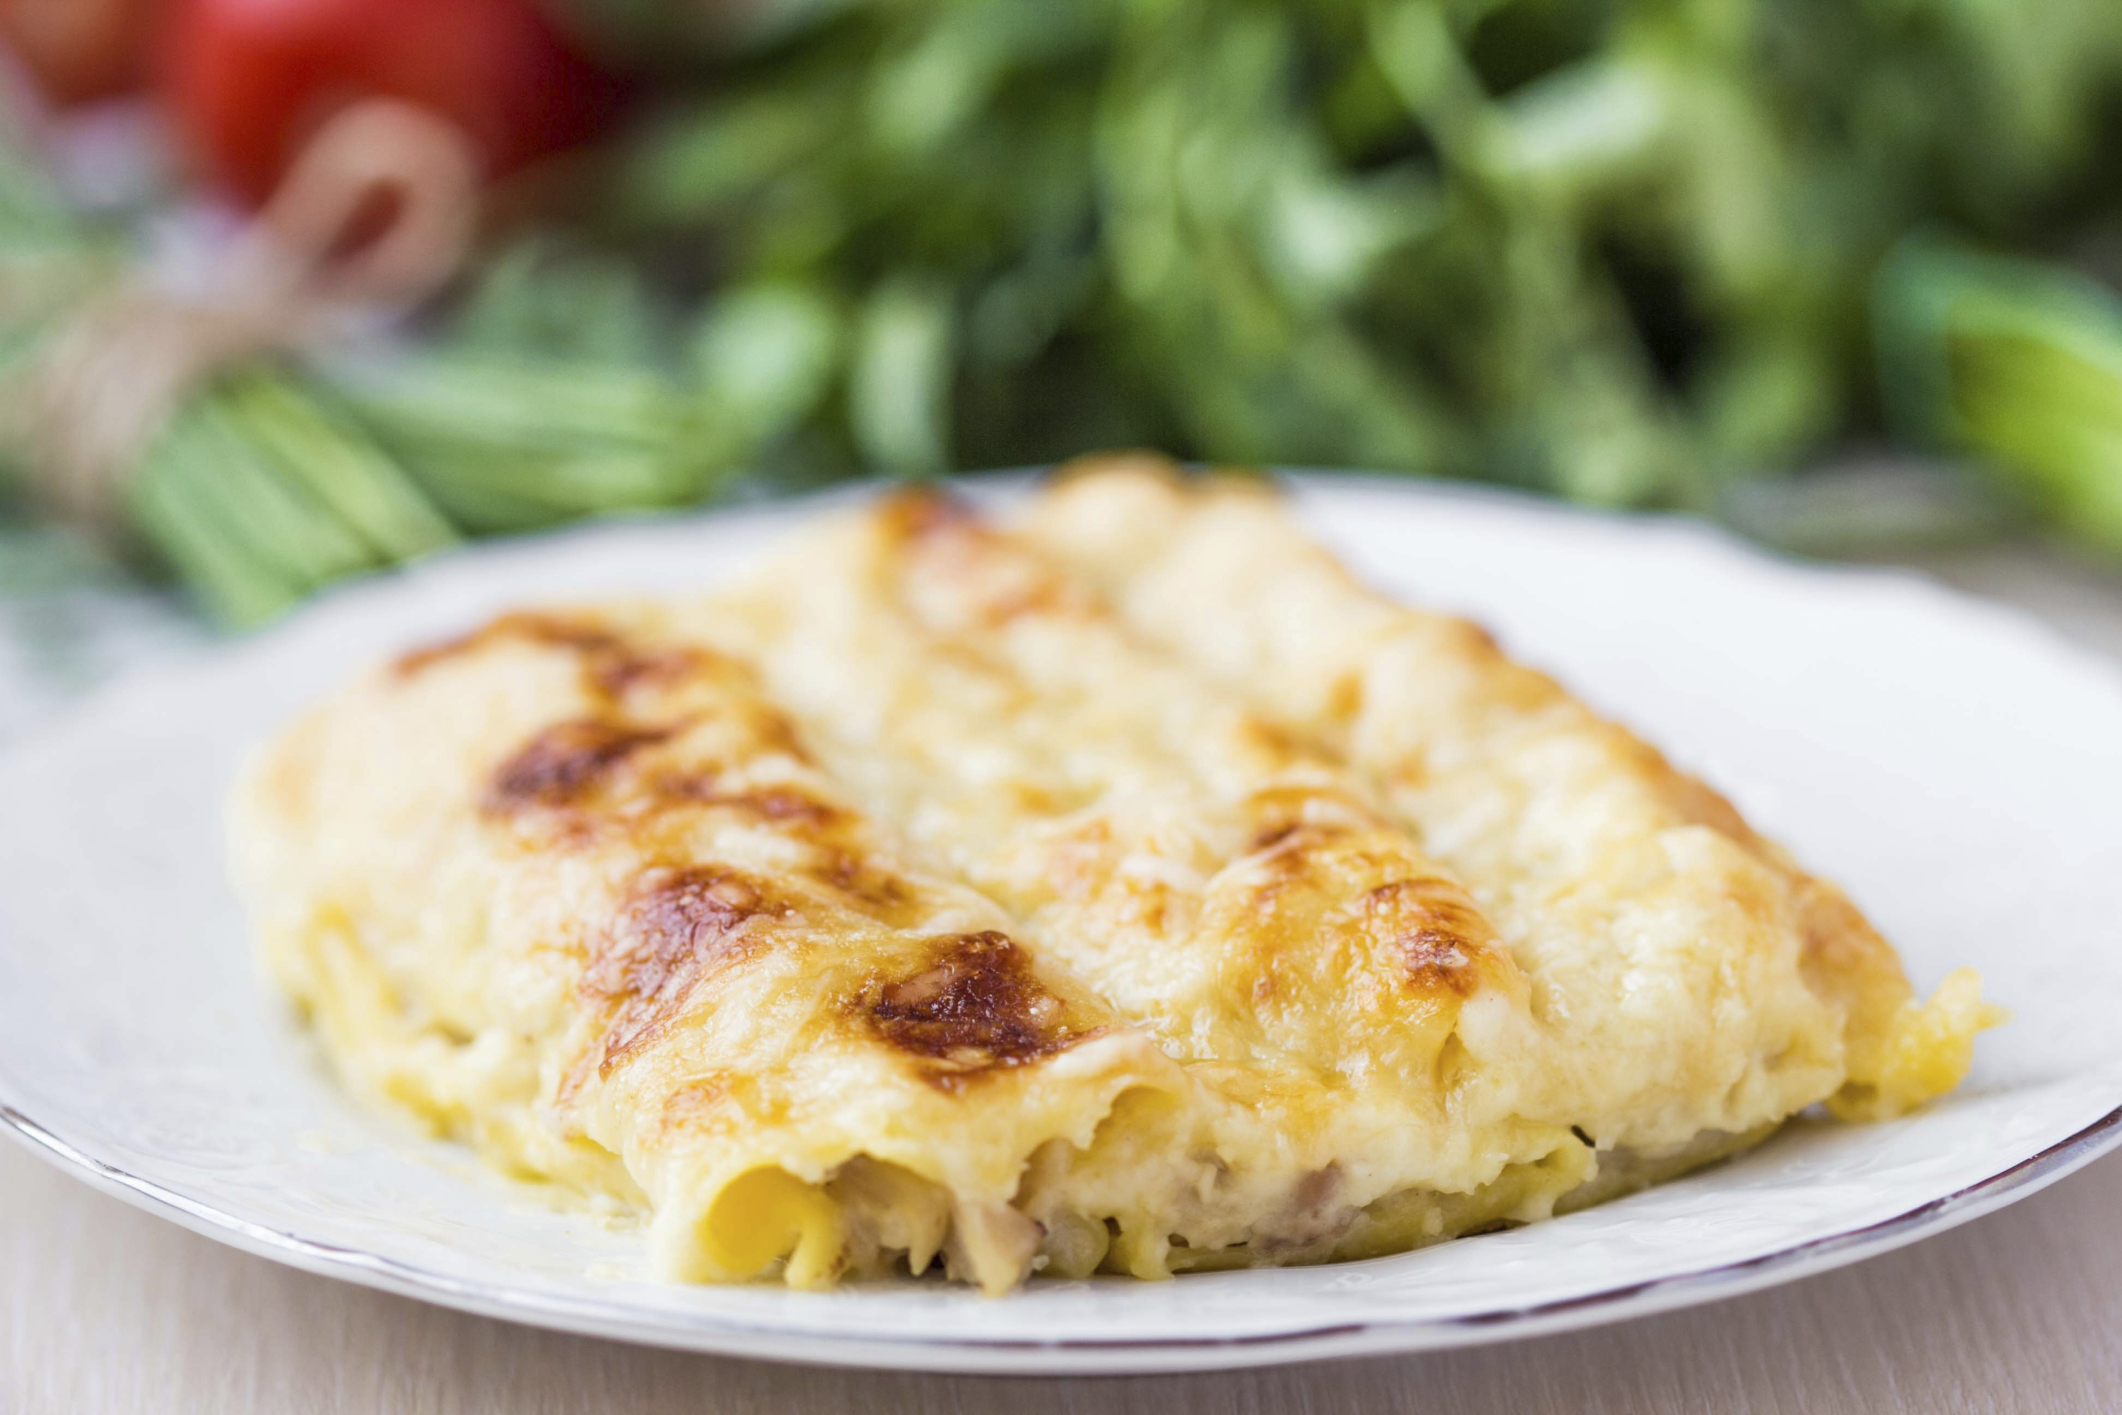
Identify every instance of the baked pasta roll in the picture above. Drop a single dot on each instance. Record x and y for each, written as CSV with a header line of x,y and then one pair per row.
x,y
573,889
1696,979
1113,884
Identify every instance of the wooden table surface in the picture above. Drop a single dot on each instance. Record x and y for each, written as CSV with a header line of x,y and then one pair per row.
x,y
104,1308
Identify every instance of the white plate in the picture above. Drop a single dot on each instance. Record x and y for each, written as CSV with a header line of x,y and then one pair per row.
x,y
1957,767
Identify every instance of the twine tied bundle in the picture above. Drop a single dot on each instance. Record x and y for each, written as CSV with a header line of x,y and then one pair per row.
x,y
107,379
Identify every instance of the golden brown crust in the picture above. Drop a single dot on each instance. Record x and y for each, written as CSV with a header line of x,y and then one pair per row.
x,y
1123,888
1575,832
565,762
973,1006
627,888
675,930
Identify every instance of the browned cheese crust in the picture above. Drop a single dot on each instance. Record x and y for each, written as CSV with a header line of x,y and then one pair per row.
x,y
1119,885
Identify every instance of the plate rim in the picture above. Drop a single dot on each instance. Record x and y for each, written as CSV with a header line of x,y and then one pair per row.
x,y
594,1315
722,1336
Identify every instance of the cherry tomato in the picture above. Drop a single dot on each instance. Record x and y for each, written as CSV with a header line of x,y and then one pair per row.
x,y
246,81
80,49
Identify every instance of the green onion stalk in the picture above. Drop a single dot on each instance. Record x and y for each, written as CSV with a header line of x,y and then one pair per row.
x,y
2017,364
277,476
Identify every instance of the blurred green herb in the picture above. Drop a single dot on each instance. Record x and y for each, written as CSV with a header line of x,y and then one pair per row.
x,y
1626,251
2018,364
1620,250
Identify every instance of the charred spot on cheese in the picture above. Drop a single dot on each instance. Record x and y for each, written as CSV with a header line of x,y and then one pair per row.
x,y
865,887
1434,929
678,926
779,804
612,665
551,630
975,1007
617,668
563,763
680,918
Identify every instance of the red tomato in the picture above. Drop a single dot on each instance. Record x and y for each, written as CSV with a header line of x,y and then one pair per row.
x,y
247,80
80,49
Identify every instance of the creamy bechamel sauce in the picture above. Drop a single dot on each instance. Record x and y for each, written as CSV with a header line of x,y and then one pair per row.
x,y
1118,888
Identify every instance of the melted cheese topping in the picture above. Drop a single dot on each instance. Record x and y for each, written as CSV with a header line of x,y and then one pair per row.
x,y
1122,889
